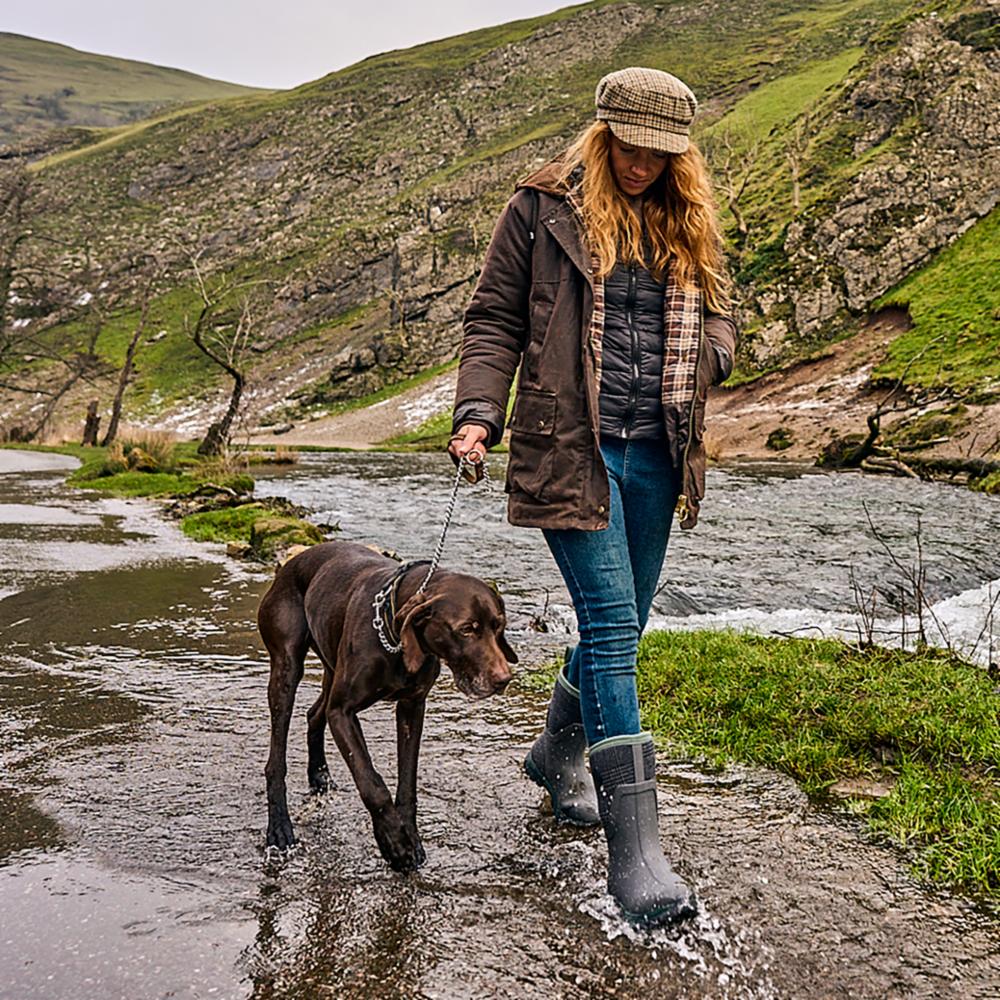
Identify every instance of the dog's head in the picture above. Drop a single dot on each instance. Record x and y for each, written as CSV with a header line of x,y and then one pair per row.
x,y
460,620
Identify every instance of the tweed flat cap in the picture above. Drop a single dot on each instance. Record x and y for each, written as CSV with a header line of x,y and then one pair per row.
x,y
647,107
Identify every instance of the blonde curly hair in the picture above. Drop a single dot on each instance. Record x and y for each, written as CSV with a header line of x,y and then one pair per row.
x,y
680,210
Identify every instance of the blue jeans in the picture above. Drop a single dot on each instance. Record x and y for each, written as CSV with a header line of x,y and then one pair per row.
x,y
611,576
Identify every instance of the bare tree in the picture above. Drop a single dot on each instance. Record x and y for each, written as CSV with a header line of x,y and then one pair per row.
x,y
125,375
733,156
15,185
223,343
28,306
84,364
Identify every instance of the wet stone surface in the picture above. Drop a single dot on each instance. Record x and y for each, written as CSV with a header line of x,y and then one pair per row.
x,y
133,732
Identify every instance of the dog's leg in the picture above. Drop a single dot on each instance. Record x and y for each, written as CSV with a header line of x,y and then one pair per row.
x,y
285,633
319,774
392,833
409,727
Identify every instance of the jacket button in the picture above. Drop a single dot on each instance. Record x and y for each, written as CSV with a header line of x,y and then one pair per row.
x,y
541,423
600,510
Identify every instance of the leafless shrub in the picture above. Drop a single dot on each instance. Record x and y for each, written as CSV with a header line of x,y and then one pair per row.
x,y
913,587
537,622
865,605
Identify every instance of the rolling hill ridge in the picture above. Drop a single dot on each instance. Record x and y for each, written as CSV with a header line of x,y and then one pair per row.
x,y
46,87
365,199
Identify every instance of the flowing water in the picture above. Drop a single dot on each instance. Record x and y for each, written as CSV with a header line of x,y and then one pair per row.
x,y
133,731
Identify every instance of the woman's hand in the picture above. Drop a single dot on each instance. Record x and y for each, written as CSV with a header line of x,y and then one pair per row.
x,y
469,443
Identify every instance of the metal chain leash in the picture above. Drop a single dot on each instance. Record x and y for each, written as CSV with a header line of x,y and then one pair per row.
x,y
383,596
449,513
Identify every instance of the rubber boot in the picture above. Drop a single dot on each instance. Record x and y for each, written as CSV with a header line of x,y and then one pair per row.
x,y
639,877
557,760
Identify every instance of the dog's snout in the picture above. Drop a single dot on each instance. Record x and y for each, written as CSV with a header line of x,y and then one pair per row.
x,y
501,682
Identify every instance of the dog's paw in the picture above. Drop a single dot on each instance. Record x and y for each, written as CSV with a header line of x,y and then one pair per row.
x,y
419,855
398,842
279,833
319,781
408,860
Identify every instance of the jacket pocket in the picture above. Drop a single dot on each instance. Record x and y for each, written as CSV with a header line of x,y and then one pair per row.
x,y
532,444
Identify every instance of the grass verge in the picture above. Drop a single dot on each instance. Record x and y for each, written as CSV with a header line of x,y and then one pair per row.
x,y
263,529
925,724
231,524
955,305
206,498
185,478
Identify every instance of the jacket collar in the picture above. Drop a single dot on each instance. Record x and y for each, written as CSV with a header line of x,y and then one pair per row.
x,y
560,213
566,226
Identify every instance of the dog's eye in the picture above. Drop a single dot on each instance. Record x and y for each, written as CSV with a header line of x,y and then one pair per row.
x,y
470,628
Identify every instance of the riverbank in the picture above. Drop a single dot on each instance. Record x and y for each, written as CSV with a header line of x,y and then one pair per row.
x,y
910,742
212,498
790,414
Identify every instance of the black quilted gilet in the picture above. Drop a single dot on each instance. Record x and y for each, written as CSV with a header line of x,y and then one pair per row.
x,y
632,354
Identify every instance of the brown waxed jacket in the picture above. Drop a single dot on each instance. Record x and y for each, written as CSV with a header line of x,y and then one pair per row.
x,y
533,306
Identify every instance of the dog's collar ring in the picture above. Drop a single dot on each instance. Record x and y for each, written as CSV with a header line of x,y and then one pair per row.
x,y
385,626
381,626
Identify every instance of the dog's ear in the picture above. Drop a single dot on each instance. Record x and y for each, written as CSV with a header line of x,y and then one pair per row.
x,y
413,615
505,648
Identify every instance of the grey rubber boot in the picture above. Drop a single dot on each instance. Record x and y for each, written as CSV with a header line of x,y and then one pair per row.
x,y
557,760
639,877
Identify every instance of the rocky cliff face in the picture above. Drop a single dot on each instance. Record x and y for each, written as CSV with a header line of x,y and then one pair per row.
x,y
927,139
366,199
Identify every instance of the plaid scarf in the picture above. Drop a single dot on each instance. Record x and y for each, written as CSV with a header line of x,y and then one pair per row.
x,y
681,325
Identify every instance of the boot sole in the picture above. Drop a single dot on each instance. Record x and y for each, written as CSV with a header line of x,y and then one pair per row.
x,y
664,917
533,772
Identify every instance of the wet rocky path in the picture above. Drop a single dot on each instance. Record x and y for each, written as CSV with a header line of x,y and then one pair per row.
x,y
133,731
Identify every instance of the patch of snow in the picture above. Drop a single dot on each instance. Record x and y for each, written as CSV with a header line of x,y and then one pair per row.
x,y
428,404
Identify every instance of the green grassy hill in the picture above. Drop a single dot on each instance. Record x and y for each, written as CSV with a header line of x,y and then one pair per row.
x,y
44,85
365,199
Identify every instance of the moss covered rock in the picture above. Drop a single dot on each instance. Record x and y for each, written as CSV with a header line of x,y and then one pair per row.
x,y
270,536
779,439
987,484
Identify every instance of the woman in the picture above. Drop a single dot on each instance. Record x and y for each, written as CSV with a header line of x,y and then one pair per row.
x,y
605,282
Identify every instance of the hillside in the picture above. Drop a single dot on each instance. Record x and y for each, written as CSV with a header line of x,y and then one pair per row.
x,y
45,86
364,200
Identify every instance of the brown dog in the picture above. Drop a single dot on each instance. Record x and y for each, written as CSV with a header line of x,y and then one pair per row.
x,y
322,600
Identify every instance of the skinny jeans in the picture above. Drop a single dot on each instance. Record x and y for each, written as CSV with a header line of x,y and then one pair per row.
x,y
611,576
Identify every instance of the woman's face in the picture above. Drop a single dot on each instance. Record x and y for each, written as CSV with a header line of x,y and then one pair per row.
x,y
635,167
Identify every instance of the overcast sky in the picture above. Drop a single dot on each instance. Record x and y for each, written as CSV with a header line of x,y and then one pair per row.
x,y
265,43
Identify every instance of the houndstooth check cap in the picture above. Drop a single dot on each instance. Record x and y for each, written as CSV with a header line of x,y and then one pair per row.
x,y
647,107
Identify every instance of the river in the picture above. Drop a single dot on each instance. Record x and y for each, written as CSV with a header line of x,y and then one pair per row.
x,y
133,732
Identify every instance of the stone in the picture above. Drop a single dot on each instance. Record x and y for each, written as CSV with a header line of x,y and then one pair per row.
x,y
862,788
270,536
